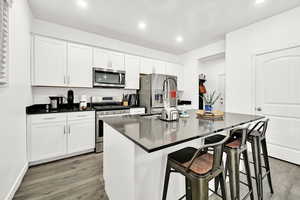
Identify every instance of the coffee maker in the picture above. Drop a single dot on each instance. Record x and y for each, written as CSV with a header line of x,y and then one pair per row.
x,y
70,99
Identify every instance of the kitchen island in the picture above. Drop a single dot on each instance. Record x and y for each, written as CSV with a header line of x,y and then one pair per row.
x,y
136,149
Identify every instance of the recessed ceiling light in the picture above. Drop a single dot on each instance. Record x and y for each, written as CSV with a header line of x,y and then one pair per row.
x,y
82,4
179,39
257,2
142,25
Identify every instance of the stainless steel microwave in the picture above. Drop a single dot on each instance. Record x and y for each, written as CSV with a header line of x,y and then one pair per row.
x,y
108,78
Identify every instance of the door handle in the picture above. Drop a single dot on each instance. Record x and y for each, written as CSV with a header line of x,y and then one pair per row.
x,y
259,109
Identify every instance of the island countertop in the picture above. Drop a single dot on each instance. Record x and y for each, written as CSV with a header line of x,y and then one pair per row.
x,y
153,134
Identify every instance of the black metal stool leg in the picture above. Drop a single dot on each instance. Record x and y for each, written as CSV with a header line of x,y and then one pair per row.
x,y
188,189
248,172
257,166
166,183
267,164
234,173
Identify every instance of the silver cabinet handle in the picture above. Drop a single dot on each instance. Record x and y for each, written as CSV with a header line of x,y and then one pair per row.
x,y
65,130
69,127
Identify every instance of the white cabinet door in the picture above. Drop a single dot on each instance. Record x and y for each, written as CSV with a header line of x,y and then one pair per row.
x,y
176,70
49,62
171,69
100,58
80,60
81,134
278,98
132,67
47,138
117,61
159,67
147,66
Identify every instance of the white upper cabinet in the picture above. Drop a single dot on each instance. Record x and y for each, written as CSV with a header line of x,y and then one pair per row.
x,y
117,61
101,58
49,62
176,70
132,67
159,67
150,66
80,61
60,63
146,66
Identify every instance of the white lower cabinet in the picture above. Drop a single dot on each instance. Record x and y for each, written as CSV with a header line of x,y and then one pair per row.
x,y
54,136
47,140
80,134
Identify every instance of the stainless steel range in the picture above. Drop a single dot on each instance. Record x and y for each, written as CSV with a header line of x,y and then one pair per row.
x,y
106,107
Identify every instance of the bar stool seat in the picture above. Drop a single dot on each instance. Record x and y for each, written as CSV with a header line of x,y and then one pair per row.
x,y
202,165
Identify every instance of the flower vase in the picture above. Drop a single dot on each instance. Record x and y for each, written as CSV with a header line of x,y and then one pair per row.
x,y
208,108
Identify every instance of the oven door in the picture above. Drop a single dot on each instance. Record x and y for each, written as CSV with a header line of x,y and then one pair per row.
x,y
108,78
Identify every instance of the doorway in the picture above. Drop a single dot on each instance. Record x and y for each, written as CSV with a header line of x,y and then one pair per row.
x,y
214,69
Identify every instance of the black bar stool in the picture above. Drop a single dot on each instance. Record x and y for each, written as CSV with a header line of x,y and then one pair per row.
x,y
234,148
199,167
257,139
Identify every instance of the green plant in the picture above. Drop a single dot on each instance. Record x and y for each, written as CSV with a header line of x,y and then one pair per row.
x,y
210,98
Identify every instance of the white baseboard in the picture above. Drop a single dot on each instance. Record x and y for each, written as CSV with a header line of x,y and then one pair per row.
x,y
43,161
17,183
285,154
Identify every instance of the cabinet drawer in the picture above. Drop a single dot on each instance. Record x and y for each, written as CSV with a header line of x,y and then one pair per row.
x,y
137,111
45,118
81,115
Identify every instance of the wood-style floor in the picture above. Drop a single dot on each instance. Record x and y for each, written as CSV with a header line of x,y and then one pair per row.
x,y
71,179
80,178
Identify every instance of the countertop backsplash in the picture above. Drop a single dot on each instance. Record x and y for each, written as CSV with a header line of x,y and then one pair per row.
x,y
41,94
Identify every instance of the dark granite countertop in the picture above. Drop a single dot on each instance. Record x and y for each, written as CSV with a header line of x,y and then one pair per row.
x,y
152,134
41,109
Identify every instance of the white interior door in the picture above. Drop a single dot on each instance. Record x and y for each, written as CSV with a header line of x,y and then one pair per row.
x,y
278,98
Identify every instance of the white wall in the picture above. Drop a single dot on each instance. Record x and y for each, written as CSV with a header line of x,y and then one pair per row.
x,y
14,99
277,32
191,61
75,35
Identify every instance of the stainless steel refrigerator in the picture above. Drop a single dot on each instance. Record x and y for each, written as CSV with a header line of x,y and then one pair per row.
x,y
151,92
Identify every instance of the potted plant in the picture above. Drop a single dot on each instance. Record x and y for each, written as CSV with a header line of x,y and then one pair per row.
x,y
210,99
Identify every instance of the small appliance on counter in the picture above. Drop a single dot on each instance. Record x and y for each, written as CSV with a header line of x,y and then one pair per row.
x,y
56,102
131,99
70,98
169,114
83,102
